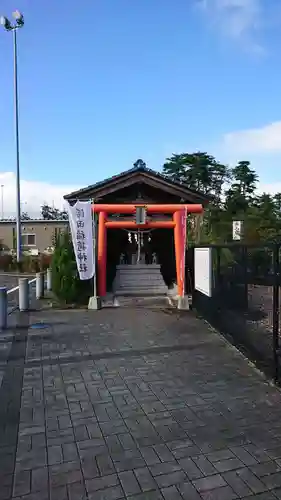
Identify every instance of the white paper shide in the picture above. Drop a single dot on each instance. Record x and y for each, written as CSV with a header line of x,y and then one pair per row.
x,y
81,226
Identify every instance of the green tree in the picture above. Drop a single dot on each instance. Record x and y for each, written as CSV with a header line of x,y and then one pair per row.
x,y
200,171
64,270
241,192
277,204
267,222
175,168
233,196
66,283
52,213
25,216
266,206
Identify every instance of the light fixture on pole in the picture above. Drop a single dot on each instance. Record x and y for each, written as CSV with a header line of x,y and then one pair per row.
x,y
9,26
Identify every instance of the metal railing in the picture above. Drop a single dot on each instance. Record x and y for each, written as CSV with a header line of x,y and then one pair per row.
x,y
13,292
246,301
22,294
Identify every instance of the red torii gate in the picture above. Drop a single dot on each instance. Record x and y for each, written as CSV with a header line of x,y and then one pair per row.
x,y
176,210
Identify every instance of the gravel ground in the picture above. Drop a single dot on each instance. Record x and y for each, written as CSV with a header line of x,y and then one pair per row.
x,y
261,300
253,328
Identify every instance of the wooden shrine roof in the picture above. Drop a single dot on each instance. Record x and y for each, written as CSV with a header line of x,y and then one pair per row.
x,y
134,176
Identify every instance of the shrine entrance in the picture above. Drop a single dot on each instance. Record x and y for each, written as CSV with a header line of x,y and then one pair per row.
x,y
139,248
159,216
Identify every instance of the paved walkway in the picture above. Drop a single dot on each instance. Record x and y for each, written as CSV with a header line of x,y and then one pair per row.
x,y
133,404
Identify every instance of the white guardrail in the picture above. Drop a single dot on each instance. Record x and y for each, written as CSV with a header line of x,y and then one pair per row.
x,y
25,289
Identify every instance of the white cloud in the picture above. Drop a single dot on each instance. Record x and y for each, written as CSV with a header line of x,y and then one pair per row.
x,y
238,19
272,188
254,143
266,139
33,195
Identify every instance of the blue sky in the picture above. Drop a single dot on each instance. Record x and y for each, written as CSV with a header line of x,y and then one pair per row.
x,y
104,83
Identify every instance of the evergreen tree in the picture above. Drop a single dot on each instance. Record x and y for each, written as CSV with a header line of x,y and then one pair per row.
x,y
233,196
52,213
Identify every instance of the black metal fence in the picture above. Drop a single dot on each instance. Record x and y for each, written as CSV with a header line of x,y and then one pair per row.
x,y
245,302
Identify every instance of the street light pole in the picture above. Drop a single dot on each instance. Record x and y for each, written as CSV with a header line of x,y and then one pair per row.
x,y
8,26
16,111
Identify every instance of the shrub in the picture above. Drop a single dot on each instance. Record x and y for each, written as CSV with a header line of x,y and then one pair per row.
x,y
6,262
65,278
29,263
45,261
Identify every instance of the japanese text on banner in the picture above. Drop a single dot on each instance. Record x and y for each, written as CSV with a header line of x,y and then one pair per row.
x,y
80,220
183,247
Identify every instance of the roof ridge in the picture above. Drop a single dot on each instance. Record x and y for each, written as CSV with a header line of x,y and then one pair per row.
x,y
141,168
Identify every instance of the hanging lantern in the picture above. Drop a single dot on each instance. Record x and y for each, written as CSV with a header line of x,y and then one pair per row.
x,y
140,215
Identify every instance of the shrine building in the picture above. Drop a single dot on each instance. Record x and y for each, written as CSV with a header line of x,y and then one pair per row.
x,y
137,256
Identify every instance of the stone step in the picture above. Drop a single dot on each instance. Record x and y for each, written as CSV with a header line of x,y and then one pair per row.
x,y
141,286
138,291
149,280
137,266
145,301
140,279
138,269
156,272
142,273
141,293
147,276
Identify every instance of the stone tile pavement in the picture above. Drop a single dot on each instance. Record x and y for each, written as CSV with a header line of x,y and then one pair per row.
x,y
133,404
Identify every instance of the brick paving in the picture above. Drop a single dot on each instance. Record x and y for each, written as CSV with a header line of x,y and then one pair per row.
x,y
133,404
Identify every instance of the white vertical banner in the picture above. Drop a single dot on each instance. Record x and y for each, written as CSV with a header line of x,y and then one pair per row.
x,y
81,226
94,233
94,236
183,249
